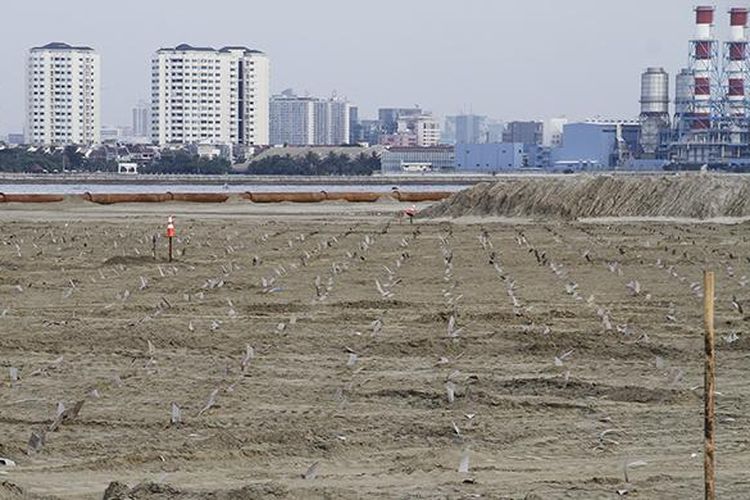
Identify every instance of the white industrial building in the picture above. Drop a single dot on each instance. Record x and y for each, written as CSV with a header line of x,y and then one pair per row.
x,y
63,95
309,121
399,159
553,132
210,96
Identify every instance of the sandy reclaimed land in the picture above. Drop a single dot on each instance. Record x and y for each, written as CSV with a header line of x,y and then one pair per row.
x,y
515,349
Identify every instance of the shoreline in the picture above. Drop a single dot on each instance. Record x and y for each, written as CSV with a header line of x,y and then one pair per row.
x,y
241,179
238,179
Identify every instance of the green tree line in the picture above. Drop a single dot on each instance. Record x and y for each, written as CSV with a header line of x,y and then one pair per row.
x,y
314,164
182,162
22,160
68,159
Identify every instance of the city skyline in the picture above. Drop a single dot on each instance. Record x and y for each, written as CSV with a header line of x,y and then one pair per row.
x,y
490,59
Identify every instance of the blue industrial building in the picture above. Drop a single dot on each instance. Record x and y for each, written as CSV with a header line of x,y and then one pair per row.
x,y
493,157
596,145
537,156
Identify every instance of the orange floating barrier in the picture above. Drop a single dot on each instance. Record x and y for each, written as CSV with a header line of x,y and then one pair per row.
x,y
199,197
109,199
354,196
31,198
278,197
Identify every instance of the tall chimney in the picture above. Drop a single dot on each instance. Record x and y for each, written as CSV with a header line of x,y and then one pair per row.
x,y
736,66
703,66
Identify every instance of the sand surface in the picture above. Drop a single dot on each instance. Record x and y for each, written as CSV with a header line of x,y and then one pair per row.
x,y
684,195
560,374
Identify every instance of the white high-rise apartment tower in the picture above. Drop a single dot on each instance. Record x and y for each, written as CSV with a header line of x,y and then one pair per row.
x,y
339,121
292,119
63,95
300,121
209,96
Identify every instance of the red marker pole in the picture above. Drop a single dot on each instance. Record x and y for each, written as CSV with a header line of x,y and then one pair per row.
x,y
170,234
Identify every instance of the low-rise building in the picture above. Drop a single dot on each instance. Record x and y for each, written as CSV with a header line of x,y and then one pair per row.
x,y
553,131
489,157
16,139
389,117
210,151
420,131
129,168
418,159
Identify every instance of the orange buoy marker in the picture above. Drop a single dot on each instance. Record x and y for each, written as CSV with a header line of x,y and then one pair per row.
x,y
411,212
170,234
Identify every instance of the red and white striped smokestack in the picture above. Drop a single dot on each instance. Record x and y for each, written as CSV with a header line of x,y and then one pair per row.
x,y
704,27
738,17
736,66
704,63
738,23
704,22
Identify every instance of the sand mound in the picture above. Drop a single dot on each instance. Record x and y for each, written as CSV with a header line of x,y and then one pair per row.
x,y
690,196
72,200
155,491
10,490
129,260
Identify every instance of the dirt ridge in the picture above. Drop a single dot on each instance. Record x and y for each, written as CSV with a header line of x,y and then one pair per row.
x,y
696,196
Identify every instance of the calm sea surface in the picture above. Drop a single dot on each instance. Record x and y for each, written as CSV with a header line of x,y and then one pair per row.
x,y
207,188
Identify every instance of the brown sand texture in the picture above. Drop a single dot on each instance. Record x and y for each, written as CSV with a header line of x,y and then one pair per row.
x,y
694,195
330,352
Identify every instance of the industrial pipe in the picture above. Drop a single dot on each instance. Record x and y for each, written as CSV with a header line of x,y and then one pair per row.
x,y
109,199
199,197
294,197
354,196
30,198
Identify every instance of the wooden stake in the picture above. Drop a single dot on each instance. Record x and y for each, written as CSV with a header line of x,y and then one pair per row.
x,y
709,423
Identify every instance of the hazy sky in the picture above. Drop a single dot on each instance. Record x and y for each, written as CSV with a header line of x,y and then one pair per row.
x,y
509,59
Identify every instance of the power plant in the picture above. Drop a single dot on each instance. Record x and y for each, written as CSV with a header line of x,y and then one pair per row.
x,y
711,123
